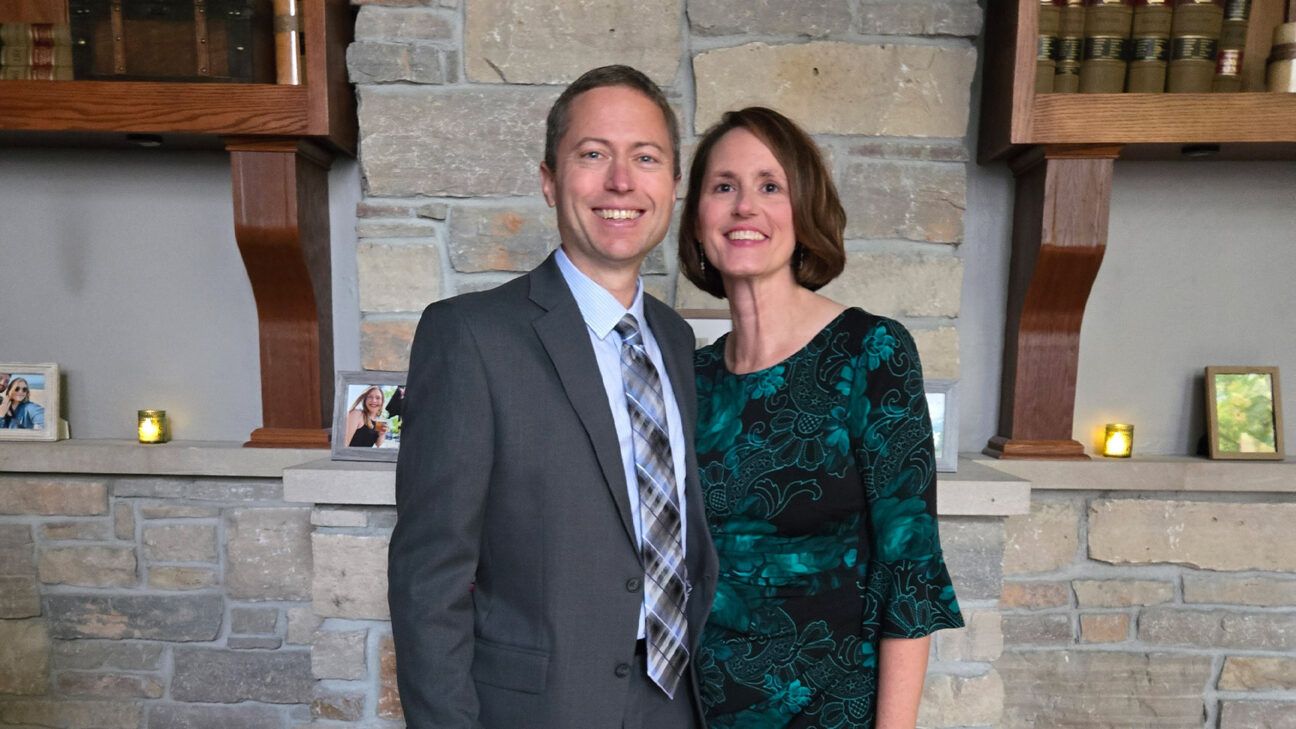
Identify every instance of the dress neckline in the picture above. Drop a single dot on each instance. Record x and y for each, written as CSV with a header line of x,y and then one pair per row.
x,y
724,338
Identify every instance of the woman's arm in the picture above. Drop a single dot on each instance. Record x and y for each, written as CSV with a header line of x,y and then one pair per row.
x,y
902,664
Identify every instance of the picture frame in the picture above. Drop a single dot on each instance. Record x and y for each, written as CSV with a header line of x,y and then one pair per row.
x,y
1244,413
30,414
708,324
942,406
350,440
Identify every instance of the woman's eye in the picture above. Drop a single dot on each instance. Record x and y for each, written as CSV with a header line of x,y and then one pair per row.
x,y
770,187
724,187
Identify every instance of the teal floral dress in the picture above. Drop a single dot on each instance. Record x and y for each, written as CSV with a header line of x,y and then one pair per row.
x,y
820,490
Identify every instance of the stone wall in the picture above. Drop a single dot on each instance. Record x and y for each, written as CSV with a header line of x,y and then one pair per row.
x,y
453,95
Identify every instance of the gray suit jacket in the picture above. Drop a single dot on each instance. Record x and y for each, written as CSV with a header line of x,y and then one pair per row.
x,y
515,581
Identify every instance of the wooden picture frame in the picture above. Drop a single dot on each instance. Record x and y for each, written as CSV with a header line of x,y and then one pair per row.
x,y
942,407
33,413
1244,413
351,387
708,324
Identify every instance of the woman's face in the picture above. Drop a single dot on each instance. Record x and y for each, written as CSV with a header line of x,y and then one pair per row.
x,y
745,209
18,390
373,401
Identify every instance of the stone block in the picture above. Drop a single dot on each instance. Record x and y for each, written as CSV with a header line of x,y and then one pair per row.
x,y
768,17
60,713
957,701
15,535
1257,715
329,517
1218,629
157,488
382,518
461,142
938,349
19,597
180,578
148,617
1104,627
253,642
17,559
432,210
337,654
182,716
267,553
1258,673
1202,534
338,707
501,238
397,228
109,685
24,657
885,90
389,705
1102,689
385,343
180,543
370,62
350,576
907,17
220,489
688,296
53,498
900,286
225,677
88,566
383,208
924,151
973,550
302,624
1035,595
403,24
123,521
95,531
981,640
1037,629
178,511
1042,541
918,201
1268,591
528,42
1122,593
98,654
253,621
398,277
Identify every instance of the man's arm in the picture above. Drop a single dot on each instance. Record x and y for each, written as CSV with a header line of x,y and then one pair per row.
x,y
442,478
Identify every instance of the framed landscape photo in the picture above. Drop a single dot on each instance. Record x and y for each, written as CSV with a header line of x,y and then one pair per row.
x,y
29,401
1244,413
367,415
942,405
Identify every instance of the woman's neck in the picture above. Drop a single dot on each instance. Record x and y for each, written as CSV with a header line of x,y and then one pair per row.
x,y
772,319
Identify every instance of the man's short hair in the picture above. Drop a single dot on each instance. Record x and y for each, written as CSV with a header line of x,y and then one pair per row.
x,y
617,75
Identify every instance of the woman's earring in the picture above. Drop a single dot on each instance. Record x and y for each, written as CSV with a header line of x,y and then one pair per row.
x,y
797,257
701,259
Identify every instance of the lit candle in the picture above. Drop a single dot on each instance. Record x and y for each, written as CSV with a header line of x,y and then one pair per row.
x,y
1119,442
153,427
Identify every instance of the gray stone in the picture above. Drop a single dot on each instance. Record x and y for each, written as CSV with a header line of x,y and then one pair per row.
x,y
226,677
24,657
403,24
253,642
768,17
385,343
957,701
1104,627
1202,534
960,18
212,489
934,151
96,531
17,560
398,277
1258,673
88,566
382,518
1267,591
891,90
981,640
501,238
157,488
900,286
461,142
1257,715
973,553
19,597
15,535
180,543
181,716
529,42
1122,593
432,210
350,576
1044,540
338,707
383,208
123,521
91,654
60,713
253,621
1037,629
1102,689
302,624
53,498
330,517
268,553
178,511
1035,595
369,62
397,228
1218,629
920,201
339,654
181,578
151,617
109,685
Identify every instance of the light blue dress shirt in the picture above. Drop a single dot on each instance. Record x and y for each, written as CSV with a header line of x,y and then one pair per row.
x,y
601,312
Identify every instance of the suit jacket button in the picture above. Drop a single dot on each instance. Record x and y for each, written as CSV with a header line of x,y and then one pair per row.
x,y
632,584
622,670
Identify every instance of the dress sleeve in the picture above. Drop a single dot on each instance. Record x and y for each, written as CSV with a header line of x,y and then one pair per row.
x,y
891,435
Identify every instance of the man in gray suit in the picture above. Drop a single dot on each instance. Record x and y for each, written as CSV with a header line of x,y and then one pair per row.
x,y
551,565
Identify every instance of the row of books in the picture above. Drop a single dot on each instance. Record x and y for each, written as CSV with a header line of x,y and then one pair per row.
x,y
1144,46
35,51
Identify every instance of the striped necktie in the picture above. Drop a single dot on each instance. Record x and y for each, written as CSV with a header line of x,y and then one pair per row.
x,y
659,514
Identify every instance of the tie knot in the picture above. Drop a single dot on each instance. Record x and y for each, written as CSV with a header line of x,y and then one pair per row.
x,y
628,328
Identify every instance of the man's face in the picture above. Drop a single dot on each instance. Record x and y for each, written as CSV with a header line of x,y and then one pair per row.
x,y
614,186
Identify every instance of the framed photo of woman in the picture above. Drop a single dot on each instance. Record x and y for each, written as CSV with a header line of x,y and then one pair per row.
x,y
367,415
942,406
1244,411
29,401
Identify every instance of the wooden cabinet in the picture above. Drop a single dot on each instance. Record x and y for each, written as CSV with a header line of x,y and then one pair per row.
x,y
1062,149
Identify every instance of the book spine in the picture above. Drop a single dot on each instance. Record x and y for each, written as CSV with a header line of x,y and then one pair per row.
x,y
1070,47
1233,34
1149,46
1108,24
50,56
36,34
1046,47
1194,45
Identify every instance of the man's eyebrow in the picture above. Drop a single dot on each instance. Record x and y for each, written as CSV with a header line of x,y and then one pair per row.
x,y
608,143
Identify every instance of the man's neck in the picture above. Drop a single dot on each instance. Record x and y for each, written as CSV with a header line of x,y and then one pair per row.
x,y
621,281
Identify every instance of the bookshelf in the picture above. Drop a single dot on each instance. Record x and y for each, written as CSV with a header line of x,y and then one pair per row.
x,y
1062,149
282,140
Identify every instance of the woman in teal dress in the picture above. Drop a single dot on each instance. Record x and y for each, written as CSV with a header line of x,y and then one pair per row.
x,y
815,451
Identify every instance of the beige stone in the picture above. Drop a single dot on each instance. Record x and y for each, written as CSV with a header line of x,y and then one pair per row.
x,y
1122,593
96,531
956,701
768,17
180,578
267,553
88,566
179,511
842,88
385,343
325,516
350,576
1035,595
926,151
396,228
1205,534
1043,541
1104,627
532,42
939,351
981,639
19,597
370,62
403,24
398,277
915,17
337,654
53,498
919,201
180,543
1257,715
1258,673
24,657
1105,689
1268,591
123,521
1218,629
17,560
1037,629
302,624
501,237
65,714
900,286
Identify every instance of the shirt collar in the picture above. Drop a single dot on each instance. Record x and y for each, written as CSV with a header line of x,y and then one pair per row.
x,y
599,308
